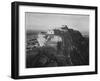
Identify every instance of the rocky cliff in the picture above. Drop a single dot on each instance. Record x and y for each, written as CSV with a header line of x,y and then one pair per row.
x,y
72,50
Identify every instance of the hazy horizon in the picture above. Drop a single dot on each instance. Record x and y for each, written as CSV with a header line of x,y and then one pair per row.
x,y
45,21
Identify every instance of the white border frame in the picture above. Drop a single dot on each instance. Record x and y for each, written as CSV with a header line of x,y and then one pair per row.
x,y
55,70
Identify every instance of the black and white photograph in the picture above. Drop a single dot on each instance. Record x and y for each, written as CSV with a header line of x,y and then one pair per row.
x,y
50,40
54,40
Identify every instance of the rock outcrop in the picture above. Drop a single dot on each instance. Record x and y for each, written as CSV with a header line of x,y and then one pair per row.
x,y
72,50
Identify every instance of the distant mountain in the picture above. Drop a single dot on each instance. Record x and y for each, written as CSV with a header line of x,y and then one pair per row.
x,y
31,32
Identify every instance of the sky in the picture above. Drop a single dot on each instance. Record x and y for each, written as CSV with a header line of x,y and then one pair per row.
x,y
45,21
